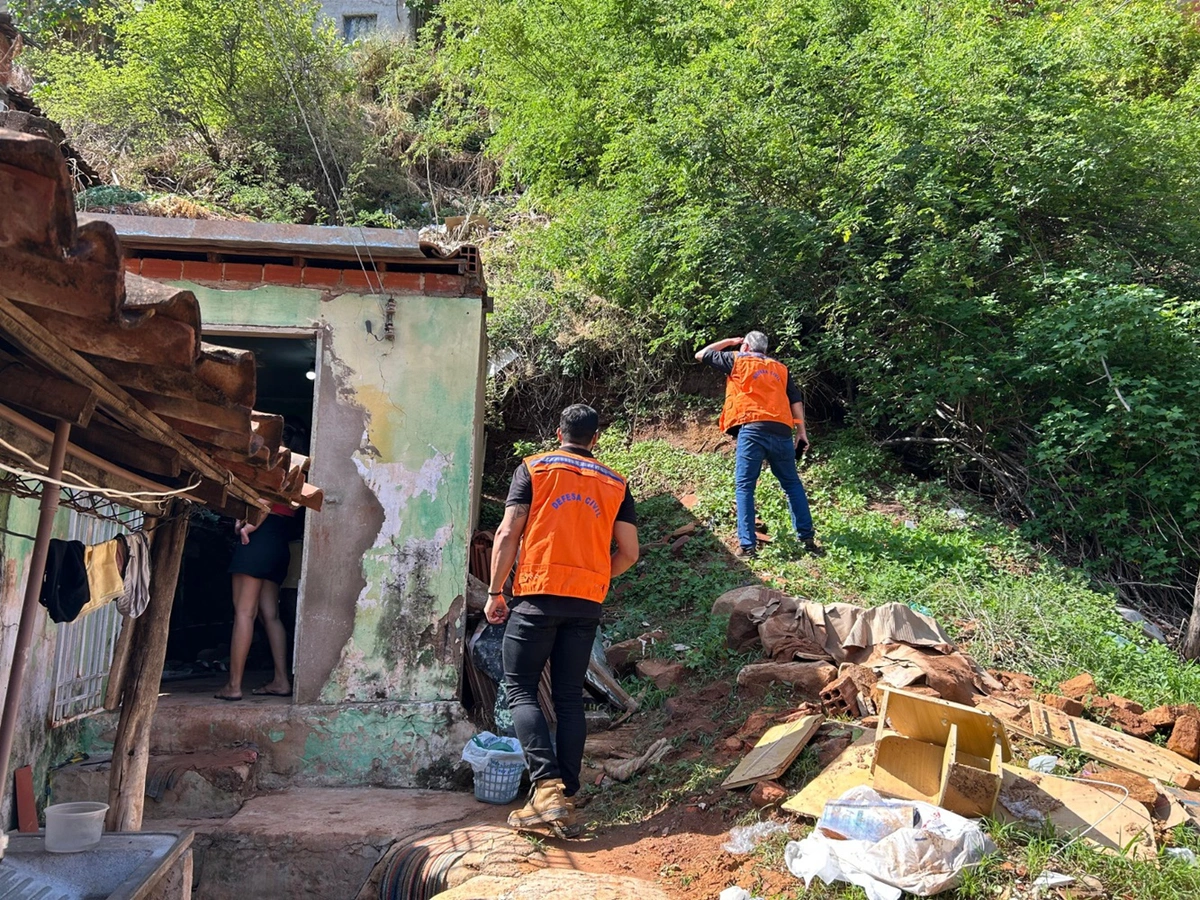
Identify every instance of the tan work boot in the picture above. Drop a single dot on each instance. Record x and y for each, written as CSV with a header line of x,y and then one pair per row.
x,y
547,806
570,827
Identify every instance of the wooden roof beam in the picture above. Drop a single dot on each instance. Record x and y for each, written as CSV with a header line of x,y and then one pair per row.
x,y
51,351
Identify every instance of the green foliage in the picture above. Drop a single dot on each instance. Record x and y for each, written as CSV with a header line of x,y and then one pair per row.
x,y
889,539
966,222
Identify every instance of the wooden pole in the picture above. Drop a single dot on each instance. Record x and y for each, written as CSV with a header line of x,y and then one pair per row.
x,y
131,750
1191,640
33,590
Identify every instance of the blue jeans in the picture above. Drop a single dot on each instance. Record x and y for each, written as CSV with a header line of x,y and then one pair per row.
x,y
754,446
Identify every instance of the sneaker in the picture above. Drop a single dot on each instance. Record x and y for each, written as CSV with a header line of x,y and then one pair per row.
x,y
747,553
811,545
547,806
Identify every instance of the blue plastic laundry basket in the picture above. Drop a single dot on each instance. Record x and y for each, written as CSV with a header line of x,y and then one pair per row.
x,y
500,782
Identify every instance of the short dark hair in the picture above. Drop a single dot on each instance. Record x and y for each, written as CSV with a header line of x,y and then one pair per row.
x,y
579,422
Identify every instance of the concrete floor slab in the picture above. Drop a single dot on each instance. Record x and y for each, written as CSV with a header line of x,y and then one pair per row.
x,y
320,842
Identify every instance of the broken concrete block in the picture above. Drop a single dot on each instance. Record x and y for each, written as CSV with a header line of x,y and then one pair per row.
x,y
1130,723
1140,788
724,605
1185,737
865,680
840,698
663,673
1160,716
805,678
1083,685
767,793
1127,705
1068,705
624,655
1015,682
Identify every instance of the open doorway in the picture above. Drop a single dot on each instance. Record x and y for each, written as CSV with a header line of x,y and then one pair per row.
x,y
202,619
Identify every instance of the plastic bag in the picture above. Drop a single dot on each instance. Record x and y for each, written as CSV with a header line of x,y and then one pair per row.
x,y
923,860
486,747
736,893
744,838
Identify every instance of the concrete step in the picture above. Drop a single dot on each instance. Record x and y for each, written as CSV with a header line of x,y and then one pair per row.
x,y
321,842
205,785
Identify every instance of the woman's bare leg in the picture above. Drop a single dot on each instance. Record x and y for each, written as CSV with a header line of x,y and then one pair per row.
x,y
268,614
246,592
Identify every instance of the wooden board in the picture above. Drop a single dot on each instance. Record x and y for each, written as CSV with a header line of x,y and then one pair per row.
x,y
851,769
1122,826
1053,727
27,817
774,753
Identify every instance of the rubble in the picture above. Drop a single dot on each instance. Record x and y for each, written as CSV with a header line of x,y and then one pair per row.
x,y
1185,737
768,793
663,673
1067,705
805,678
1080,687
623,656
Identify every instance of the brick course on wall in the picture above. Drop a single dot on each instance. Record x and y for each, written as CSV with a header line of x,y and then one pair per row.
x,y
234,274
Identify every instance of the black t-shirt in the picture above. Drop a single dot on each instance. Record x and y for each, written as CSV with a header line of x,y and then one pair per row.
x,y
520,492
722,361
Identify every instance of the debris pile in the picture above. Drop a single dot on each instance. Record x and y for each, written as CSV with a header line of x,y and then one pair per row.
x,y
925,731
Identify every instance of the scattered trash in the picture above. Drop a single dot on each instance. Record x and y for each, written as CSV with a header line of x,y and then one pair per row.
x,y
774,753
952,751
957,512
851,820
1183,854
624,769
910,524
680,648
744,838
923,860
1044,764
1050,879
736,893
1149,629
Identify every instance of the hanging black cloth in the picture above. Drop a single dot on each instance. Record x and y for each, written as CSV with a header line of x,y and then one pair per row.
x,y
65,585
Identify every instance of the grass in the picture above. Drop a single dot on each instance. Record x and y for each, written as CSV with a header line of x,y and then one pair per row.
x,y
890,538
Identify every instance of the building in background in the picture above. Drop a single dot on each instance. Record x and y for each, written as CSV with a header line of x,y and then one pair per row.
x,y
357,19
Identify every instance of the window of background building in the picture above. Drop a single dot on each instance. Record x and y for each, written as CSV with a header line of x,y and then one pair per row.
x,y
355,27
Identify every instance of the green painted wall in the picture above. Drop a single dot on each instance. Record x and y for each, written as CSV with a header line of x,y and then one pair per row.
x,y
394,447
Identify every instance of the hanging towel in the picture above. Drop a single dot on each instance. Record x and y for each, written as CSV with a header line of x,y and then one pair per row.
x,y
103,574
137,576
65,585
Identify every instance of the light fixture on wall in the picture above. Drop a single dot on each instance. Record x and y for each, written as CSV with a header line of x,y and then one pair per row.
x,y
310,375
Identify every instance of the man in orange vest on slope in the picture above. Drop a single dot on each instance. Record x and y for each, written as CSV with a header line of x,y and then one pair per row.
x,y
762,404
564,512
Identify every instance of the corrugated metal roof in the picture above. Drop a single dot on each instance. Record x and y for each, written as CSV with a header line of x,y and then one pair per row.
x,y
265,238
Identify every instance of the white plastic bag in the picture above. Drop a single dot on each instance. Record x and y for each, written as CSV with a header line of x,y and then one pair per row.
x,y
924,860
744,838
485,747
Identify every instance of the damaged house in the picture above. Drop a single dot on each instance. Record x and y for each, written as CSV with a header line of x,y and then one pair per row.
x,y
369,346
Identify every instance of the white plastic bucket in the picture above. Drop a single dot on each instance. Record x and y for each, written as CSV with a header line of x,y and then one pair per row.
x,y
71,827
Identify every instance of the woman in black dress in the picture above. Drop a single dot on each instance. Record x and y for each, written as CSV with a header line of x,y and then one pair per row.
x,y
259,566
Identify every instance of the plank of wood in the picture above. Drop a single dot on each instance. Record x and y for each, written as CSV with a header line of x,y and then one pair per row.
x,y
41,393
850,769
222,417
1051,726
774,753
127,449
1121,826
131,749
27,819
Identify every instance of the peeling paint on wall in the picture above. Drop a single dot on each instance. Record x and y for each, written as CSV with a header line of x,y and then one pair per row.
x,y
406,474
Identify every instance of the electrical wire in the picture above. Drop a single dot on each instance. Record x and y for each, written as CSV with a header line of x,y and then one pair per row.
x,y
334,192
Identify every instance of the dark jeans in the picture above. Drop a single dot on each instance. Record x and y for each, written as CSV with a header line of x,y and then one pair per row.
x,y
566,641
754,446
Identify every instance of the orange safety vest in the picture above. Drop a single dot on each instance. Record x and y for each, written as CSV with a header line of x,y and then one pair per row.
x,y
756,391
566,549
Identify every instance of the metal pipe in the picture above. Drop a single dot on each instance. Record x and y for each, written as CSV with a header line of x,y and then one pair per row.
x,y
33,589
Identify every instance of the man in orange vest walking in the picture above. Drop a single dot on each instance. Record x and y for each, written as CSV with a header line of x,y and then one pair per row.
x,y
564,512
762,406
